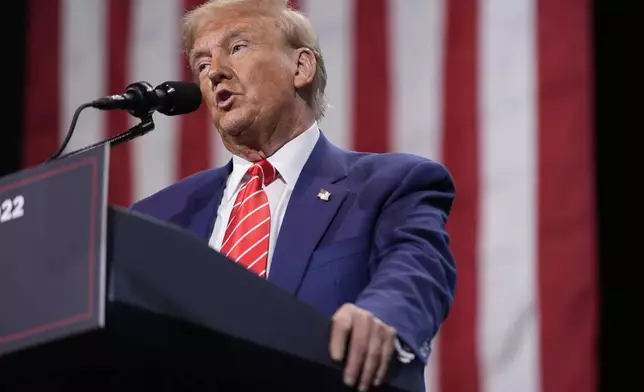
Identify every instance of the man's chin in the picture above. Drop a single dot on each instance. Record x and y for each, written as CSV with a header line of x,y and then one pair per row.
x,y
234,127
241,133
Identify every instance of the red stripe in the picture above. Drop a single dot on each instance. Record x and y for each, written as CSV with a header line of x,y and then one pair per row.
x,y
567,220
372,106
118,43
458,368
195,129
42,111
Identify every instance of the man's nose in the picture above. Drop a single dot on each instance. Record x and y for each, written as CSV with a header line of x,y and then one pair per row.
x,y
219,71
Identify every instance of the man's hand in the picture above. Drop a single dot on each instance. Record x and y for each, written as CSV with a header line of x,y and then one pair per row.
x,y
370,349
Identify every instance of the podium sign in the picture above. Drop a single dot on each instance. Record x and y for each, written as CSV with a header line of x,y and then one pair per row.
x,y
52,250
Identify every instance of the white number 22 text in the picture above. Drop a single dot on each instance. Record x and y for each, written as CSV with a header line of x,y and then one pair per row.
x,y
12,209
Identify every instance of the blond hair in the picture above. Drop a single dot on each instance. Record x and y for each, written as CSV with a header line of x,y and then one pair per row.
x,y
295,26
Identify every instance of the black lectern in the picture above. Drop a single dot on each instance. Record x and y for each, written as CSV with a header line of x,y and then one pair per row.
x,y
103,299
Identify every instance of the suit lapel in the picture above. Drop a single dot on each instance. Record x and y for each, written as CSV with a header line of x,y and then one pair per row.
x,y
205,203
307,216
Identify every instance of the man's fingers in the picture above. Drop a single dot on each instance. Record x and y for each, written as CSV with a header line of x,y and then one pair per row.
x,y
340,330
386,354
373,358
365,342
358,346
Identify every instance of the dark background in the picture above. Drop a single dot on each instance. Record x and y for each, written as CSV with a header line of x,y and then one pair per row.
x,y
619,93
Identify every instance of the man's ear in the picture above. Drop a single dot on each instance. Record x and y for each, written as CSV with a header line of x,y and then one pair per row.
x,y
306,65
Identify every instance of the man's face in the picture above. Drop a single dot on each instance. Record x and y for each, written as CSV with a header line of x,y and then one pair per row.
x,y
245,72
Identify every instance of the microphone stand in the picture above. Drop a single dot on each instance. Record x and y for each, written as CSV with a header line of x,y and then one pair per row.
x,y
146,125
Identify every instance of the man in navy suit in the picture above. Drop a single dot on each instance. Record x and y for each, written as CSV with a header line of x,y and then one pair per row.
x,y
359,236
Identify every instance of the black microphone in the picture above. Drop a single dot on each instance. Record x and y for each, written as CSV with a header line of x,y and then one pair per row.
x,y
141,99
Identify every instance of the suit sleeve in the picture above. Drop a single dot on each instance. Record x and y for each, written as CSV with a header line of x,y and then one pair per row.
x,y
414,275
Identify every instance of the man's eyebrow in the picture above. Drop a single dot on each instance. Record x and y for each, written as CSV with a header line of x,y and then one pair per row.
x,y
197,54
227,37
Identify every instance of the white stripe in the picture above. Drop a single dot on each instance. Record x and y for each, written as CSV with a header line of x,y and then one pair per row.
x,y
83,77
417,56
432,382
244,187
241,221
508,304
417,49
155,57
246,235
251,265
241,256
333,21
240,204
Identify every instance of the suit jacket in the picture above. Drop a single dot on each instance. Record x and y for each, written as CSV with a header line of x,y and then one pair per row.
x,y
378,242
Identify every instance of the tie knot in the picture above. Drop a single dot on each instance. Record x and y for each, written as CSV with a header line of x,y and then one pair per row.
x,y
266,172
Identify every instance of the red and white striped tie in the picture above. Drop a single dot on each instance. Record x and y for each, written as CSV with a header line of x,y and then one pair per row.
x,y
248,231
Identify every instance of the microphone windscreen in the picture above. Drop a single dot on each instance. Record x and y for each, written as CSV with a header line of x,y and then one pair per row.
x,y
185,97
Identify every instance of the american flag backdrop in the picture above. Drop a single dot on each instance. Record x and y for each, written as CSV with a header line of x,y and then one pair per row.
x,y
498,90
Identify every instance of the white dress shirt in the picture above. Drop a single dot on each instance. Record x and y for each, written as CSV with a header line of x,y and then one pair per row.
x,y
289,161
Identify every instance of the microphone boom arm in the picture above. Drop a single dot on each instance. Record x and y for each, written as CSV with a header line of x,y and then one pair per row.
x,y
146,125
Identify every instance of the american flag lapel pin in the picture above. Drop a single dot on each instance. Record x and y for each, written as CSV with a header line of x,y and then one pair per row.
x,y
324,195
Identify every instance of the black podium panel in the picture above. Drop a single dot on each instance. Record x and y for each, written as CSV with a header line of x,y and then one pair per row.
x,y
144,305
179,316
52,250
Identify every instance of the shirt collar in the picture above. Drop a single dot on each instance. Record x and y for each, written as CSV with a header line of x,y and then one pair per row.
x,y
288,160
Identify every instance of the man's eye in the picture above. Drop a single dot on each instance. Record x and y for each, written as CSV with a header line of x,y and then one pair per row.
x,y
201,67
236,48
